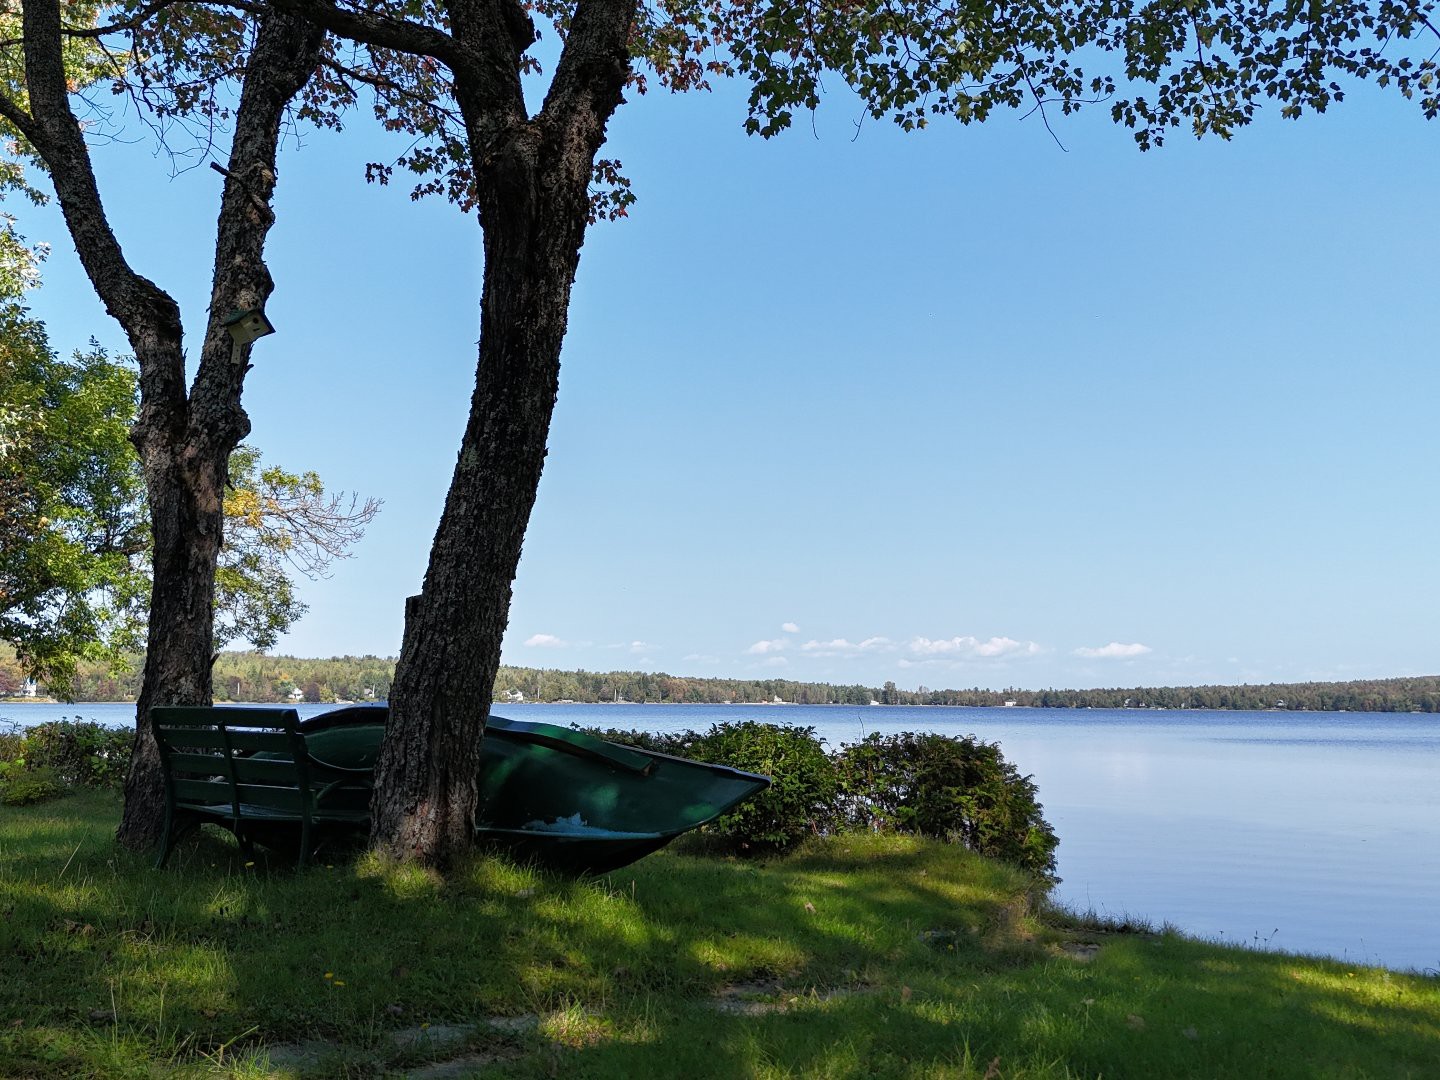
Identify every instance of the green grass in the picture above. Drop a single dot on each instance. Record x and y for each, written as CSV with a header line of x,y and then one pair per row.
x,y
859,957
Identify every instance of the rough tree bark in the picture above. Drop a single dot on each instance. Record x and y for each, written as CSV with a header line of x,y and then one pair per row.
x,y
532,178
184,441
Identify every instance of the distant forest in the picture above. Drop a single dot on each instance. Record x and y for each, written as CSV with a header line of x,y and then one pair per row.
x,y
251,676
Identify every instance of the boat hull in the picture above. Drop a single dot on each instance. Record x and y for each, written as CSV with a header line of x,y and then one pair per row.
x,y
555,796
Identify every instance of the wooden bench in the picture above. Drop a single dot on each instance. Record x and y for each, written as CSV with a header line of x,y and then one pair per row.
x,y
248,770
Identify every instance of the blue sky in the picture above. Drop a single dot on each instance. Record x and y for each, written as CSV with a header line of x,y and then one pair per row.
x,y
953,408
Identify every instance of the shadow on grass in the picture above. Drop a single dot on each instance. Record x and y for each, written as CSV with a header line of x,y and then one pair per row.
x,y
861,956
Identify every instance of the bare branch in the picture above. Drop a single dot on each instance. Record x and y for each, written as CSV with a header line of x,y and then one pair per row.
x,y
23,121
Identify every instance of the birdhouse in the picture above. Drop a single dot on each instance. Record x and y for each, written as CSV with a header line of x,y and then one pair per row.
x,y
246,326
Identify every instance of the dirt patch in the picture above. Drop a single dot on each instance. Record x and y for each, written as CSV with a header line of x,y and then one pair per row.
x,y
426,1039
766,998
429,1036
462,1066
304,1054
513,1025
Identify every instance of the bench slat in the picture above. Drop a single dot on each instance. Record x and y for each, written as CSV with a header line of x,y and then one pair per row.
x,y
196,764
215,739
209,715
201,791
276,798
265,771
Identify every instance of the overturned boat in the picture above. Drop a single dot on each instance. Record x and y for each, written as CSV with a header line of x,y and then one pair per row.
x,y
556,796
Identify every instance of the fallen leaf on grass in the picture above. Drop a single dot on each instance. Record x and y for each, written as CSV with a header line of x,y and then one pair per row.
x,y
1136,1022
905,993
1190,1033
809,907
992,1071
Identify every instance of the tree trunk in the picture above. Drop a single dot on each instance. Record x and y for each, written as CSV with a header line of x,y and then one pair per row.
x,y
534,207
185,444
185,486
426,778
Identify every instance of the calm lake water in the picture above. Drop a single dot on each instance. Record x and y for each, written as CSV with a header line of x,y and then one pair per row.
x,y
1312,832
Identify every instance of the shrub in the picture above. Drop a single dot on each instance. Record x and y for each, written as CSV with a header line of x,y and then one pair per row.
x,y
21,787
962,790
800,801
675,743
12,741
81,752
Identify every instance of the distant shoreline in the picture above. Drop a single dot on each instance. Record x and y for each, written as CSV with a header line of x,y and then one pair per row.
x,y
255,677
498,707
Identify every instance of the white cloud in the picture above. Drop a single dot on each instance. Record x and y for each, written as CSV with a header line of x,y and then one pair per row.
x,y
774,661
640,646
971,648
1114,651
790,628
762,648
545,641
844,647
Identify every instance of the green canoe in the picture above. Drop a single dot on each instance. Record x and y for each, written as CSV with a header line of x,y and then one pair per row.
x,y
556,796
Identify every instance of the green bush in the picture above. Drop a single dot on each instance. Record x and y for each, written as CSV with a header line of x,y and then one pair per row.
x,y
799,803
12,741
81,752
675,743
20,787
962,790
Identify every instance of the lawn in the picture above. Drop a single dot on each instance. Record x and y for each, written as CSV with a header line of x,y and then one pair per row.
x,y
860,956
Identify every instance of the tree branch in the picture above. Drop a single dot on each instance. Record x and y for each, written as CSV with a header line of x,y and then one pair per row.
x,y
285,55
134,22
23,121
591,72
384,31
390,86
148,314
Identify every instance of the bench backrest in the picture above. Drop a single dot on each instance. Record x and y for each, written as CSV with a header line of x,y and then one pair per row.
x,y
207,757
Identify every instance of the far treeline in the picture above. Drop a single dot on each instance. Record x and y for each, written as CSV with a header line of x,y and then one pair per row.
x,y
253,676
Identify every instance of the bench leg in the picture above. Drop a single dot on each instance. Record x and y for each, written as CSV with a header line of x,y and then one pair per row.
x,y
304,845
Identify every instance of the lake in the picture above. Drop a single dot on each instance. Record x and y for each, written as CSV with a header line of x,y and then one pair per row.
x,y
1312,832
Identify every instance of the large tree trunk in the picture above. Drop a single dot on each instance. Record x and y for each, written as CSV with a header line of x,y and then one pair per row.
x,y
534,206
186,486
185,443
441,694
